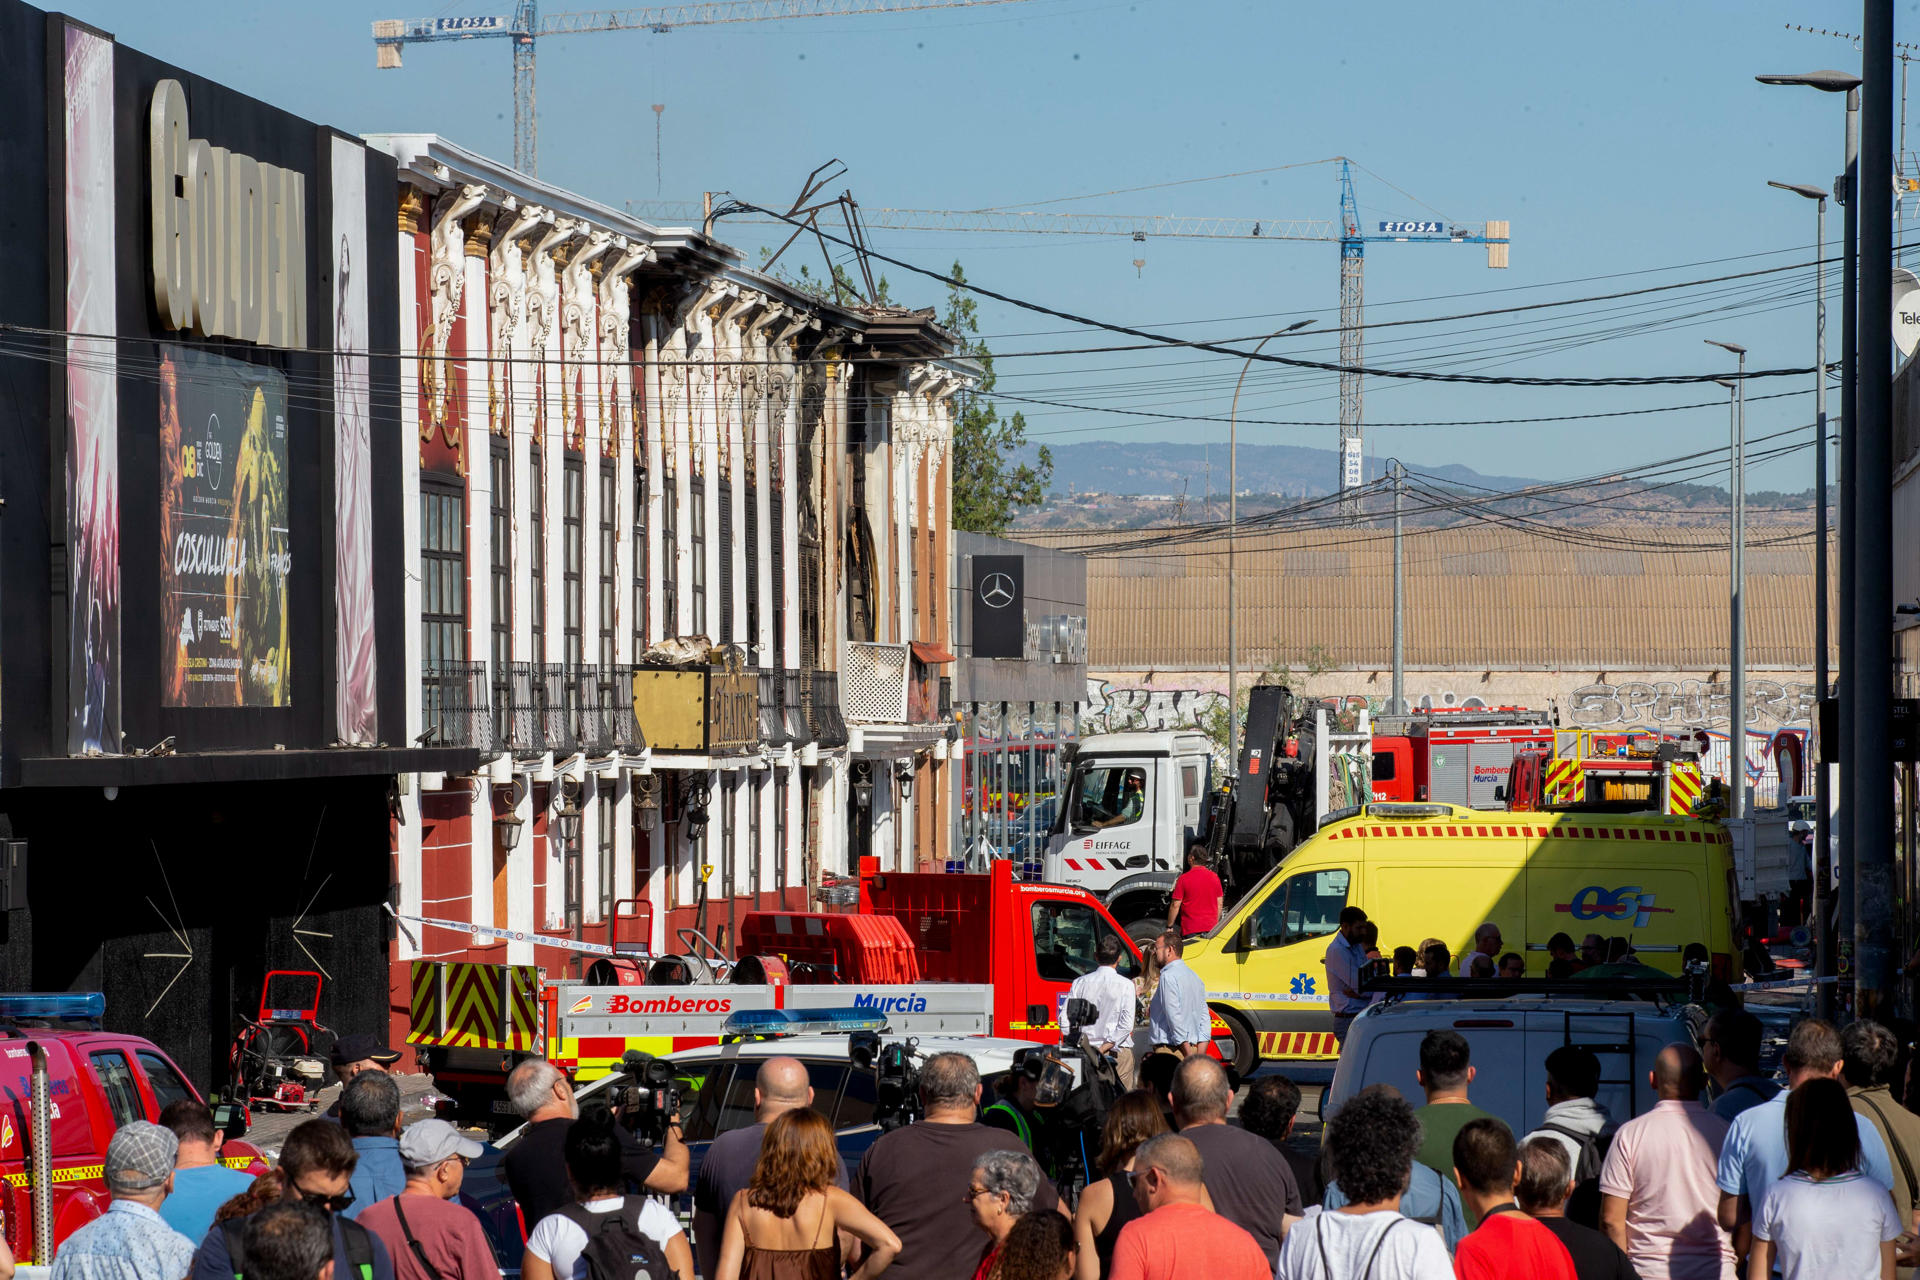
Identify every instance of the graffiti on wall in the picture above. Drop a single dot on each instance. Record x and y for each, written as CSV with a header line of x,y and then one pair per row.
x,y
1140,708
1689,703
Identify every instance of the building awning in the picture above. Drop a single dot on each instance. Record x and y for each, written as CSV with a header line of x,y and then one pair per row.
x,y
931,654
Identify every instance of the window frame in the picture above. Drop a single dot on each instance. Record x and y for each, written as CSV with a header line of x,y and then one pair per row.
x,y
1281,894
1098,925
110,1085
537,551
609,560
697,547
573,537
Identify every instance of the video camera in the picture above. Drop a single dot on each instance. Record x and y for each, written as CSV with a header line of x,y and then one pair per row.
x,y
646,1099
1074,1104
896,1068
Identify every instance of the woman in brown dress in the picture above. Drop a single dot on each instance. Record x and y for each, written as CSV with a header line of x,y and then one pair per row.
x,y
786,1224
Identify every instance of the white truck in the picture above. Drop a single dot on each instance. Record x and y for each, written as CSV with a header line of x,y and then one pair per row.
x,y
1135,802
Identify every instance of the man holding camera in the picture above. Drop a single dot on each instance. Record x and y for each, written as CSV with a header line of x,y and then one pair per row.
x,y
536,1167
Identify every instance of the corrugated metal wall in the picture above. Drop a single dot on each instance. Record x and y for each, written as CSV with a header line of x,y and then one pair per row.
x,y
1478,597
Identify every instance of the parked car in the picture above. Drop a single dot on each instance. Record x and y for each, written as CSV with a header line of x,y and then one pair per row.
x,y
716,1092
1510,1039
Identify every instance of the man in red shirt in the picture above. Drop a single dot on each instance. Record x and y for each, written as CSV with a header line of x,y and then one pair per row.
x,y
1196,896
1179,1238
1507,1245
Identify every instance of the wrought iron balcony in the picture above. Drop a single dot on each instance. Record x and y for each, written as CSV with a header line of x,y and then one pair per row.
x,y
454,708
773,729
558,707
616,709
526,712
821,694
793,714
588,693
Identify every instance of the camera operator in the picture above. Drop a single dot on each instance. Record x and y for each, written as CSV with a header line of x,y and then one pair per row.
x,y
1014,1108
779,1086
917,1179
1113,997
536,1166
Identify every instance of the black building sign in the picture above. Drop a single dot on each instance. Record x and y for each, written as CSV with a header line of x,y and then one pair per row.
x,y
999,606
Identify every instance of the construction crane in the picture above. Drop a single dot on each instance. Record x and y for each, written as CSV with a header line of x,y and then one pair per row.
x,y
525,25
1346,231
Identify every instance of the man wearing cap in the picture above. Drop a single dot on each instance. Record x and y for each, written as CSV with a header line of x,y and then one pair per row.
x,y
316,1164
429,1235
355,1053
131,1242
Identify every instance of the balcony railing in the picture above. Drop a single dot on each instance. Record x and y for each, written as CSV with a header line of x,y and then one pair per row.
x,y
558,707
773,729
526,717
793,712
454,709
616,708
821,690
588,693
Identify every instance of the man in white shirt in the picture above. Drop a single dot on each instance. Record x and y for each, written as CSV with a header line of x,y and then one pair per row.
x,y
1346,956
1486,942
1111,1031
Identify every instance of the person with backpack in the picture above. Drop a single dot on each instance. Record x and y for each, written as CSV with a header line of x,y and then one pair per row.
x,y
785,1224
316,1161
1579,1124
1871,1056
606,1234
1371,1143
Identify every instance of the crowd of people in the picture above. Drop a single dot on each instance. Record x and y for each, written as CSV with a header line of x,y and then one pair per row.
x,y
1726,1175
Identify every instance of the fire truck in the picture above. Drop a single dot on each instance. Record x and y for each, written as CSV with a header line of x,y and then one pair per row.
x,y
1664,781
66,1087
1456,757
934,953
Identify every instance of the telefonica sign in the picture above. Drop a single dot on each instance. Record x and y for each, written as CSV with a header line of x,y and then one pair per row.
x,y
229,235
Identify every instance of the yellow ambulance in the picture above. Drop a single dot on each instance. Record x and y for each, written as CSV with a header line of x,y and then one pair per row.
x,y
1441,871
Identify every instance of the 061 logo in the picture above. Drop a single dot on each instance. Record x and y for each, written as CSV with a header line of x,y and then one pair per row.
x,y
1626,902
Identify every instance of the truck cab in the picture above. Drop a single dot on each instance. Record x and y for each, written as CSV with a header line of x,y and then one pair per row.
x,y
1132,806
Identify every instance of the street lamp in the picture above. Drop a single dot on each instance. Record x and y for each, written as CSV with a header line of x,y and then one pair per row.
x,y
1233,529
1846,187
1737,581
1823,851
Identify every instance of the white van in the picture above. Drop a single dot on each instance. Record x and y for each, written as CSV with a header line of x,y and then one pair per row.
x,y
1510,1039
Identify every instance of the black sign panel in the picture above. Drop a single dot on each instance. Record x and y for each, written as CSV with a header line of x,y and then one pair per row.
x,y
1830,752
999,606
1904,733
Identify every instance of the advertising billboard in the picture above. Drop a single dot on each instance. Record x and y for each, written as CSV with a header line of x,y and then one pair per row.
x,y
225,556
356,710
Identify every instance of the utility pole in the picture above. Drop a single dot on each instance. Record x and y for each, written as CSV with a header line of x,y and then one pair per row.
x,y
1870,663
1849,681
1399,597
1736,584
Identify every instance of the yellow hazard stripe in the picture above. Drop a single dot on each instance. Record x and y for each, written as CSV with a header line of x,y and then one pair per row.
x,y
73,1173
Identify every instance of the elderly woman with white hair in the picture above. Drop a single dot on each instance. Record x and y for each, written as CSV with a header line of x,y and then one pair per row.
x,y
1000,1190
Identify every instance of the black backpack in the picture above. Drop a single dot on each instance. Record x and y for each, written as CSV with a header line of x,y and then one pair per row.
x,y
358,1239
1583,1206
616,1247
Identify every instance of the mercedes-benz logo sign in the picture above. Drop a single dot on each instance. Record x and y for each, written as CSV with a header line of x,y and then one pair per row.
x,y
996,592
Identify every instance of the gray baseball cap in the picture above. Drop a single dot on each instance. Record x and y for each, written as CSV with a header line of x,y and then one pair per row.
x,y
140,1156
428,1142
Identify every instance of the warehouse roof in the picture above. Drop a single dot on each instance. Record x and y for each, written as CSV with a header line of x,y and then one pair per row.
x,y
1636,596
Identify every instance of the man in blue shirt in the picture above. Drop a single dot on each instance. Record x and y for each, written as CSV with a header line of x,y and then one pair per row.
x,y
370,1113
1754,1156
1346,957
316,1162
1178,1019
201,1184
1730,1051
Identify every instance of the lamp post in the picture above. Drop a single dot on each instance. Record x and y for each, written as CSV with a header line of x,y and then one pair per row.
x,y
1823,852
1846,186
1736,584
1233,528
567,818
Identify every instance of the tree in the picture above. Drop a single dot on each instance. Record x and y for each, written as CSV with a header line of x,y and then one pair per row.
x,y
1213,721
990,479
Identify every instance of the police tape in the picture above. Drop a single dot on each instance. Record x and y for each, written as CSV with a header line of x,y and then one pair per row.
x,y
515,935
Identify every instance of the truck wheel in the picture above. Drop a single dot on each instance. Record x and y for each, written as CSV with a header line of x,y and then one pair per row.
x,y
1146,929
1239,1047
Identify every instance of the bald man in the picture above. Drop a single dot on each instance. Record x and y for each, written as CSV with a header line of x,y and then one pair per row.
x,y
1658,1198
779,1086
1250,1182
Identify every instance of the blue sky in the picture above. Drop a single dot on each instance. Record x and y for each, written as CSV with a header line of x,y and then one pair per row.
x,y
1616,138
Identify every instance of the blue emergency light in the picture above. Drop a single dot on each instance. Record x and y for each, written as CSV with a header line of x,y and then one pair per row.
x,y
787,1022
63,1006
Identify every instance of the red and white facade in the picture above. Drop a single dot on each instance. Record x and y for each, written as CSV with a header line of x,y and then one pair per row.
x,y
624,440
